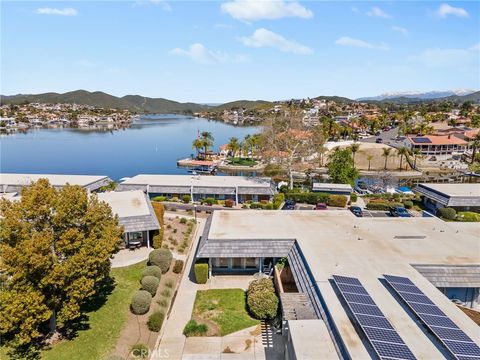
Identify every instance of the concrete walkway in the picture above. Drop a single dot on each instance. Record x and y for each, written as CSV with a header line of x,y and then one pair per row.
x,y
171,340
127,257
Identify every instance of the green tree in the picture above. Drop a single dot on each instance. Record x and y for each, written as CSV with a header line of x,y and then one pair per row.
x,y
402,152
369,159
416,152
197,144
207,141
475,145
56,249
340,167
233,146
386,154
354,148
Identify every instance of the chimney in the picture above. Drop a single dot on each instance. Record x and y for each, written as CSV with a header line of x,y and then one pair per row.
x,y
449,136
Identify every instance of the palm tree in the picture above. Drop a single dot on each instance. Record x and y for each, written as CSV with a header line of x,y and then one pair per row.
x,y
403,151
416,152
386,154
369,158
354,148
207,140
233,146
197,144
475,145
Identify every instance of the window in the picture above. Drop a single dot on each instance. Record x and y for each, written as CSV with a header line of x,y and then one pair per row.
x,y
135,236
250,263
222,262
237,263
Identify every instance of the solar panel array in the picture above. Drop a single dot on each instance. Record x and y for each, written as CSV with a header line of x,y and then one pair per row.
x,y
421,140
454,339
384,338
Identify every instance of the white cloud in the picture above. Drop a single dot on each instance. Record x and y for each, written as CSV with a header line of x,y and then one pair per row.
x,y
348,41
444,10
445,58
377,12
55,11
252,10
266,38
400,29
199,53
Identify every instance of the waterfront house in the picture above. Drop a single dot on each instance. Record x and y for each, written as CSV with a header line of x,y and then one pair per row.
x,y
135,214
332,318
464,197
237,188
440,146
10,182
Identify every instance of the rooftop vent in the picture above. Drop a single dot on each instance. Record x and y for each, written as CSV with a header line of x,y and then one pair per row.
x,y
409,237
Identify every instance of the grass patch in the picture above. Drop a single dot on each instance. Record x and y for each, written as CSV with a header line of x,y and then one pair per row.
x,y
241,162
225,307
468,216
103,325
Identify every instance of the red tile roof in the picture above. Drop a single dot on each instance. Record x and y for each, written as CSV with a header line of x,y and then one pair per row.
x,y
437,140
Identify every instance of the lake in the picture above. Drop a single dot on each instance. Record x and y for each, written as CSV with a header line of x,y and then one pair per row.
x,y
152,144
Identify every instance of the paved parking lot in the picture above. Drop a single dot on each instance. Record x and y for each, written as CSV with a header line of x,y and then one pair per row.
x,y
375,213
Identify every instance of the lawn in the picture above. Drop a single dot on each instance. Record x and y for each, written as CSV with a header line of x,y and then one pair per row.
x,y
104,321
241,161
224,307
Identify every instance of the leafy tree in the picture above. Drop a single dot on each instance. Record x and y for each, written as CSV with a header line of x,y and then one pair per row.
x,y
340,167
56,248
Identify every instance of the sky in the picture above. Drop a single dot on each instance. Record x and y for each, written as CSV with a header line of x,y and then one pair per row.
x,y
219,51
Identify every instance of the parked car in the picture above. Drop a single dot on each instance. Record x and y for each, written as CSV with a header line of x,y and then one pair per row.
x,y
379,140
356,210
321,206
289,205
399,211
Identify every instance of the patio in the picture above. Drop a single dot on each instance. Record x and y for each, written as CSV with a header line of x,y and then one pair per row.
x,y
127,257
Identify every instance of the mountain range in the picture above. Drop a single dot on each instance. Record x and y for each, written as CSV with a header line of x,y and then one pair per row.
x,y
142,104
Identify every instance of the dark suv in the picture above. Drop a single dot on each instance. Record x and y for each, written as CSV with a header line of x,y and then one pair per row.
x,y
289,205
356,210
399,211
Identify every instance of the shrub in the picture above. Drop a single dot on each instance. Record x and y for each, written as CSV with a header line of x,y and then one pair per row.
x,y
161,258
261,299
152,270
337,200
278,199
170,284
186,199
201,273
162,302
178,266
159,212
183,220
141,302
159,198
353,197
150,283
468,216
447,213
308,197
155,321
140,351
157,240
408,204
229,203
209,201
194,329
166,293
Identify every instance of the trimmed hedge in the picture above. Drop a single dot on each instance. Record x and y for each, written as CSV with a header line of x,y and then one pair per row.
x,y
152,270
278,199
353,197
141,302
159,210
194,329
309,198
382,205
140,351
150,283
337,200
261,299
161,258
468,216
178,266
159,198
201,273
447,213
155,321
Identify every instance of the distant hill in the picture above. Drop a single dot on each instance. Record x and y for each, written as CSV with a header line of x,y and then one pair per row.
x,y
134,103
338,99
246,104
418,95
473,97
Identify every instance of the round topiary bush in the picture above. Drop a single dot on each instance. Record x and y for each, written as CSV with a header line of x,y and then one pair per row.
x,y
140,351
408,204
161,258
447,213
261,299
152,270
178,266
150,283
141,302
155,321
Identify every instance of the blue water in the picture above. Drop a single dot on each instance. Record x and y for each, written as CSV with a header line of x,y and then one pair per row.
x,y
153,144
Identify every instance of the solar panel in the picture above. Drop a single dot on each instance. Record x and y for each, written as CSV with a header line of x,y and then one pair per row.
x,y
382,336
408,288
455,340
421,140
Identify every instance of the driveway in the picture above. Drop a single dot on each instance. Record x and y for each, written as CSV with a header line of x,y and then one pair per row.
x,y
386,136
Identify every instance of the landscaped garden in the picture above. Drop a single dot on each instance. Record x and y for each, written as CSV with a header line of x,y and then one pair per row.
x,y
221,311
450,214
240,161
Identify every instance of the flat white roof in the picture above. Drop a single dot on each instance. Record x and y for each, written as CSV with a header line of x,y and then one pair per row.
x,y
54,179
126,203
451,190
304,333
338,243
197,180
332,187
